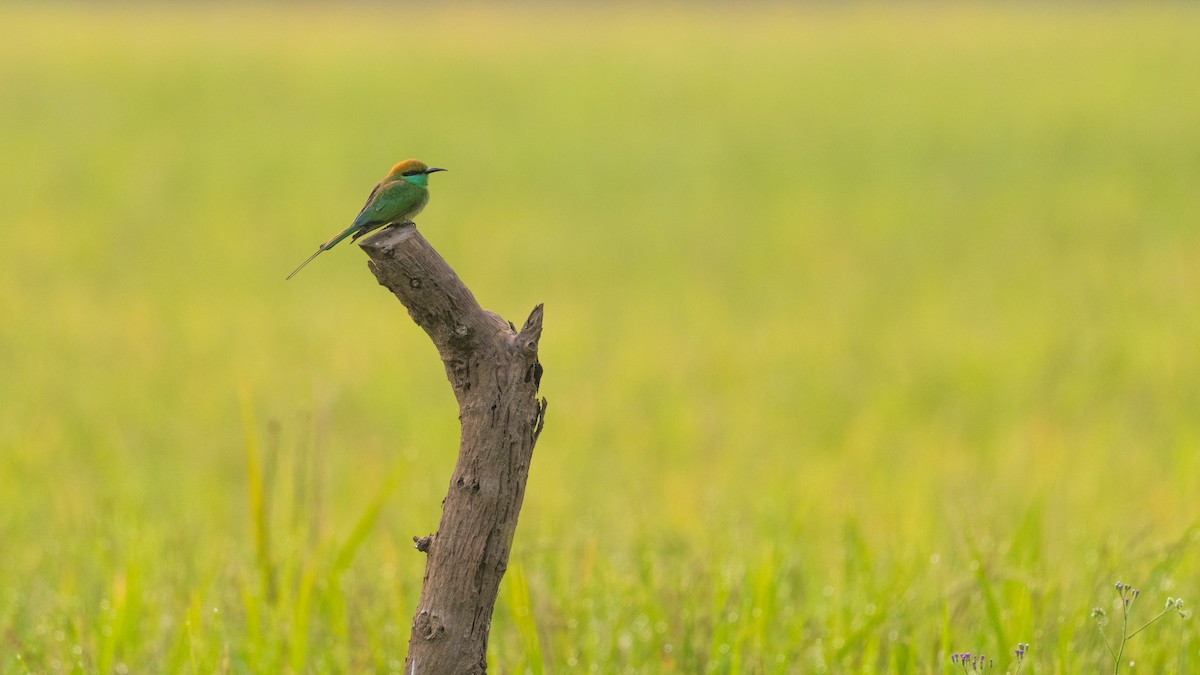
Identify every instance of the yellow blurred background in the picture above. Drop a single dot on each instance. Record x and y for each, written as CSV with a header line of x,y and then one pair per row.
x,y
871,331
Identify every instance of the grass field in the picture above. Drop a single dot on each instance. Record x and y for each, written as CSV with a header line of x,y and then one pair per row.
x,y
872,334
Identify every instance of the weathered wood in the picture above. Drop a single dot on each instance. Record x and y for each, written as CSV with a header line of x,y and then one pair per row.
x,y
495,373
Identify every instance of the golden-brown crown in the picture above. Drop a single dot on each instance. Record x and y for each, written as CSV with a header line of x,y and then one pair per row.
x,y
408,166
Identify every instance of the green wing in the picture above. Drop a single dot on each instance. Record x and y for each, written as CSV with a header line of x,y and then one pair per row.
x,y
396,201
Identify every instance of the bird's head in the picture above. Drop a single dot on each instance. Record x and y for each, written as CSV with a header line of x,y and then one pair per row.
x,y
413,171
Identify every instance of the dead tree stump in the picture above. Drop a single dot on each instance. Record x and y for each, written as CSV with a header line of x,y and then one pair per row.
x,y
495,373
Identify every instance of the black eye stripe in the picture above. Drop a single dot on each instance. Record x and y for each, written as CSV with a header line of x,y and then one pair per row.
x,y
411,173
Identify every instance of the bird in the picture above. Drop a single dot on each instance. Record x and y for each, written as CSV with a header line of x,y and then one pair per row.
x,y
396,199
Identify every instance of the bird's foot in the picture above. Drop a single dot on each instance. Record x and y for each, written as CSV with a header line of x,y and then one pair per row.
x,y
400,223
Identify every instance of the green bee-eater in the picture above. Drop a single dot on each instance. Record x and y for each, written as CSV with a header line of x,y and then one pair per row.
x,y
396,199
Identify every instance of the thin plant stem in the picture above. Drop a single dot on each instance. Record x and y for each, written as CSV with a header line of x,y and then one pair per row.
x,y
1147,624
1107,645
1124,635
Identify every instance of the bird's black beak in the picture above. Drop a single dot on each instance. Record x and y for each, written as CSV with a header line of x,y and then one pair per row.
x,y
432,169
